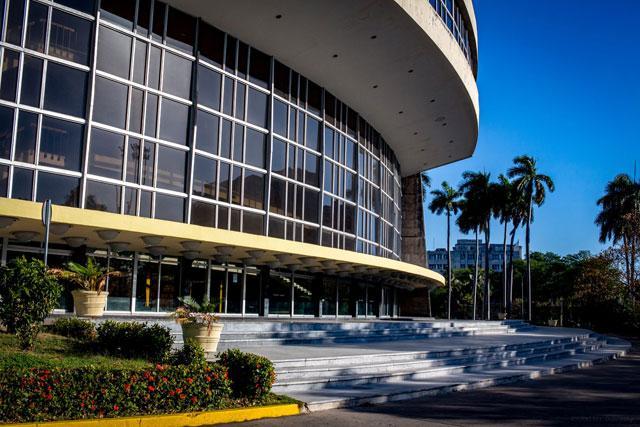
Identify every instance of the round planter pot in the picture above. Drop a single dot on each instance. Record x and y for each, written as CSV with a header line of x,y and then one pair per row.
x,y
208,338
89,303
552,322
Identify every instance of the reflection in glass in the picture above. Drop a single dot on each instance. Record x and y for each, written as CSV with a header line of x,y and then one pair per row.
x,y
31,81
118,12
256,142
25,150
6,131
175,119
101,196
15,16
204,177
253,189
119,287
278,156
9,81
234,291
110,102
114,52
36,26
203,213
207,132
209,87
61,143
130,201
147,163
147,286
62,190
69,37
68,94
133,161
169,208
22,184
177,75
106,154
169,284
171,168
303,295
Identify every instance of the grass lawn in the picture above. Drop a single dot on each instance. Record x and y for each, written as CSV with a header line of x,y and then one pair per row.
x,y
57,351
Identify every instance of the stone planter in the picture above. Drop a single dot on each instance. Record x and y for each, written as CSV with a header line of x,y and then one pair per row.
x,y
502,316
89,303
208,338
552,322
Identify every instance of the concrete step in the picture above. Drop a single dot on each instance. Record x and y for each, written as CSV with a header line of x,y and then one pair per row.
x,y
355,381
373,393
335,370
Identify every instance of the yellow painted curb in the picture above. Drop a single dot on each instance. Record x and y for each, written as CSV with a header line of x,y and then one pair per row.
x,y
190,419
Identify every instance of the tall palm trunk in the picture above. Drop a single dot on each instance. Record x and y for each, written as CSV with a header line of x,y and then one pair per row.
x,y
504,267
527,242
449,261
487,279
513,237
475,276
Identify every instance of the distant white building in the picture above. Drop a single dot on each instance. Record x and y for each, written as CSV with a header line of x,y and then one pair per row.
x,y
463,255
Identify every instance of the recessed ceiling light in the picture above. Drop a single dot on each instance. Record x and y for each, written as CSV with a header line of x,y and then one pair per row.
x,y
451,141
449,155
440,119
410,71
375,86
422,149
433,100
278,16
444,124
400,112
415,133
335,55
374,37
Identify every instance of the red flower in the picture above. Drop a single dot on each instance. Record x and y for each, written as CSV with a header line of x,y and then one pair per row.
x,y
190,380
172,393
183,396
194,399
127,387
116,407
207,378
165,379
151,388
178,390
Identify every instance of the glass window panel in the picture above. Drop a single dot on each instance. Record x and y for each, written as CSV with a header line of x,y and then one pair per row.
x,y
238,137
300,135
69,37
223,192
351,154
243,57
225,143
170,208
110,102
223,217
312,170
349,218
327,213
154,68
279,156
22,184
314,102
280,118
145,203
62,190
169,285
171,168
203,214
31,81
252,223
205,177
15,16
300,165
135,112
303,295
181,30
147,163
140,59
4,179
328,142
260,68
6,131
328,176
281,80
256,142
279,293
313,134
118,12
276,227
66,90
101,196
252,290
277,196
120,287
25,150
311,205
133,160
144,17
211,44
9,82
230,59
227,103
253,189
177,75
159,12
175,120
209,87
36,26
151,113
291,162
310,234
234,291
147,286
61,144
207,132
240,96
106,154
257,108
236,188
114,52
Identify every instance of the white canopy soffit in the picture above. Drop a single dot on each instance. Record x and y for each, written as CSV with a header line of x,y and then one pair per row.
x,y
397,65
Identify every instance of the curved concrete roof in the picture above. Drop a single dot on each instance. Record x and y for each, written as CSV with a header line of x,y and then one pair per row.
x,y
425,99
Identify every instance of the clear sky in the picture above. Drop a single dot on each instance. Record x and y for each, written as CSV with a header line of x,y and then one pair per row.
x,y
558,80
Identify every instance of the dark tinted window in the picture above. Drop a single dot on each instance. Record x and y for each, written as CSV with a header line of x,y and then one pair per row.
x,y
4,170
255,148
207,132
114,52
175,118
135,112
9,81
280,118
257,108
181,30
85,6
225,142
277,196
252,223
159,11
203,214
253,189
6,131
279,156
139,61
148,160
102,197
314,102
151,113
70,37
106,154
312,170
119,12
313,134
36,26
15,17
223,191
130,201
281,80
133,160
171,168
260,68
209,87
22,184
65,90
144,16
211,44
110,102
61,143
205,177
62,190
177,75
169,207
31,81
26,137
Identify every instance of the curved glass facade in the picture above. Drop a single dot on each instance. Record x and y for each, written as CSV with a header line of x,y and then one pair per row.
x,y
141,109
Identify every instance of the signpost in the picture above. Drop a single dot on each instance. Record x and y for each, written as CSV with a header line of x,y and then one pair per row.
x,y
46,221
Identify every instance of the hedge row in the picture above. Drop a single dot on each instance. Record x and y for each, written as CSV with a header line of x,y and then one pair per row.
x,y
28,395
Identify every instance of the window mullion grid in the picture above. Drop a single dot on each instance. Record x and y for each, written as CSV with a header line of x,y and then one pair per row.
x,y
269,154
191,126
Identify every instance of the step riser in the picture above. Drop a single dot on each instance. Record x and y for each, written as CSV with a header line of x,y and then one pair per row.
x,y
347,361
289,376
284,388
348,325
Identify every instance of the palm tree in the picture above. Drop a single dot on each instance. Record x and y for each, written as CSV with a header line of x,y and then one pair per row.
x,y
504,201
533,186
446,200
620,202
468,222
90,277
518,213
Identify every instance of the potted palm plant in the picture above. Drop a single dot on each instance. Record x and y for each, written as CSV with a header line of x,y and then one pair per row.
x,y
199,322
90,298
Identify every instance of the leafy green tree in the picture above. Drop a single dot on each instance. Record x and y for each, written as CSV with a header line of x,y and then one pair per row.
x,y
468,222
446,200
28,293
533,186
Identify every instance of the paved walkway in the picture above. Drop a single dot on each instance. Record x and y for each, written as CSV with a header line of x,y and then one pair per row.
x,y
607,394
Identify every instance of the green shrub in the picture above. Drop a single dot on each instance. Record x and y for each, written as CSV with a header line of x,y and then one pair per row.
x,y
28,293
191,353
67,394
74,327
251,375
134,340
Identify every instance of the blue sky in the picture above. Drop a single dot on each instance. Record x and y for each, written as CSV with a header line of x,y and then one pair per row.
x,y
558,80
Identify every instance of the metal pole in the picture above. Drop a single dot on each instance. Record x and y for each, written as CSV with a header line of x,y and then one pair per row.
x,y
46,221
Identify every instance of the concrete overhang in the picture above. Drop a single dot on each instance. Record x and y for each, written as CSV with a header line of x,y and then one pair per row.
x,y
101,230
425,100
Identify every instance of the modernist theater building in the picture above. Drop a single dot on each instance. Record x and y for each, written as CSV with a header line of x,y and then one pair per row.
x,y
265,154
